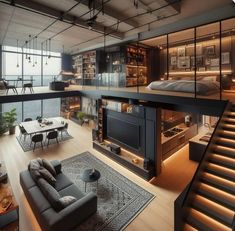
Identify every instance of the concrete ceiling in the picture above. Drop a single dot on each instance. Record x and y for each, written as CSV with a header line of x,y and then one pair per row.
x,y
65,21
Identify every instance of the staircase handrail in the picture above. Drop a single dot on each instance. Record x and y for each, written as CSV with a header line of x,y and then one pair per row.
x,y
206,152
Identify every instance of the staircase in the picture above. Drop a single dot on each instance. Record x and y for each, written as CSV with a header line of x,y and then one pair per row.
x,y
209,204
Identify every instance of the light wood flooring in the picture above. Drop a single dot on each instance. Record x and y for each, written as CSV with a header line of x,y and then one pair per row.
x,y
157,216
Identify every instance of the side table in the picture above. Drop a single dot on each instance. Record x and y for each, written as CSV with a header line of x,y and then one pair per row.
x,y
88,177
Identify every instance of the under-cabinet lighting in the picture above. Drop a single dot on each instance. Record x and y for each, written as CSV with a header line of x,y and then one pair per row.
x,y
199,72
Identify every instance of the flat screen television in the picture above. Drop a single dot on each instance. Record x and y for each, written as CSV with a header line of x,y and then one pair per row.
x,y
124,132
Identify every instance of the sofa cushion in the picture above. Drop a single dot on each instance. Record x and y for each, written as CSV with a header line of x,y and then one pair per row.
x,y
46,164
50,193
26,180
33,167
67,200
62,181
71,190
47,176
38,200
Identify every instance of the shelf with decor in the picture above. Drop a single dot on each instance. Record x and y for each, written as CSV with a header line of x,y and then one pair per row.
x,y
70,105
136,66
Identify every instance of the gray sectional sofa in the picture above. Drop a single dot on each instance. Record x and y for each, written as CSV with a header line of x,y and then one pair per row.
x,y
49,218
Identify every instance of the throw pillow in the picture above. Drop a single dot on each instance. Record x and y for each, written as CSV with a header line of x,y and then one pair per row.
x,y
51,194
47,176
46,164
33,168
67,200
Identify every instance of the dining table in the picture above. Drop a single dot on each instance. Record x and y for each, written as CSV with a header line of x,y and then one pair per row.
x,y
44,125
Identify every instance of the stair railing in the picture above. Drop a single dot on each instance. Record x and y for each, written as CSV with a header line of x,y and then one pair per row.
x,y
193,184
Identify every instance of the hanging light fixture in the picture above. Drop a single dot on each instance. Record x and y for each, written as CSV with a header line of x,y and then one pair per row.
x,y
46,53
36,47
17,65
33,52
29,49
49,55
26,48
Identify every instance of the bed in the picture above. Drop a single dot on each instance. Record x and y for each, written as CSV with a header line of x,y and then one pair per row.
x,y
203,87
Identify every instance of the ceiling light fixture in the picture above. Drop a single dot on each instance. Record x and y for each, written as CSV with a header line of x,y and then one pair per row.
x,y
17,65
36,47
49,53
29,49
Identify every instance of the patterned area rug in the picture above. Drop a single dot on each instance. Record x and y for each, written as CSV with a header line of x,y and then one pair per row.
x,y
119,199
25,144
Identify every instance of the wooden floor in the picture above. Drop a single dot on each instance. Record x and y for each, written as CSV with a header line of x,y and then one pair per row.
x,y
157,216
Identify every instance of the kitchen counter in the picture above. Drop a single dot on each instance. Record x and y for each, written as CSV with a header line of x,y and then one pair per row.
x,y
181,126
173,143
197,147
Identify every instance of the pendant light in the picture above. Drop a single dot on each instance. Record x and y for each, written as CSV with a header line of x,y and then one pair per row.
x,y
46,53
33,57
26,49
36,47
29,49
49,53
17,65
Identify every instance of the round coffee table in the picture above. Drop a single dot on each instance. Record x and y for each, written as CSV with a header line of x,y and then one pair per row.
x,y
86,176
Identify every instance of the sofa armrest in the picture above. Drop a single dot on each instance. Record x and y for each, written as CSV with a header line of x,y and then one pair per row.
x,y
71,216
57,165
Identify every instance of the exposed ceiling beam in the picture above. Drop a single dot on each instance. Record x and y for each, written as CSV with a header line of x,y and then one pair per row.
x,y
175,6
111,12
53,13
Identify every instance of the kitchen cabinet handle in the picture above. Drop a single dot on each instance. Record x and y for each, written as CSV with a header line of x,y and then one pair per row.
x,y
181,137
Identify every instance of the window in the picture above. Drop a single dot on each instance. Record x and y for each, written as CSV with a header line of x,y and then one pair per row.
x,y
51,108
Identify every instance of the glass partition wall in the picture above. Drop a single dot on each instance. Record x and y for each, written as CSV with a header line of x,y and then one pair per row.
x,y
196,62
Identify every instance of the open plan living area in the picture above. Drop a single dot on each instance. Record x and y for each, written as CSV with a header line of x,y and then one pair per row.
x,y
117,115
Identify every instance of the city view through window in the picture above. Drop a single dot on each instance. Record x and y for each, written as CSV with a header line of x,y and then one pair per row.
x,y
42,70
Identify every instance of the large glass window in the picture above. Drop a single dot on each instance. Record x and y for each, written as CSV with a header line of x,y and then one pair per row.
x,y
208,60
9,106
51,108
32,68
227,58
12,65
32,109
51,69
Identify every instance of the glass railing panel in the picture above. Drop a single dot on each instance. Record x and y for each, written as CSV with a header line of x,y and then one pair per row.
x,y
208,61
227,60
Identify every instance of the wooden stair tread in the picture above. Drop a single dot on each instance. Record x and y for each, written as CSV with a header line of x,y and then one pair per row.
x,y
218,182
229,120
224,150
226,134
226,142
213,210
217,195
222,160
203,222
188,227
221,171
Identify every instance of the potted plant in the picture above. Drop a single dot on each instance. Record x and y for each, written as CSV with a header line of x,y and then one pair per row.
x,y
80,116
10,118
3,125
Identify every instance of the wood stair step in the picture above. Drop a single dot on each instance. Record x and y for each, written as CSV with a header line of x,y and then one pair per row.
x,y
217,195
221,171
229,120
229,127
222,150
203,222
213,210
222,160
188,227
218,182
226,134
231,114
226,142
